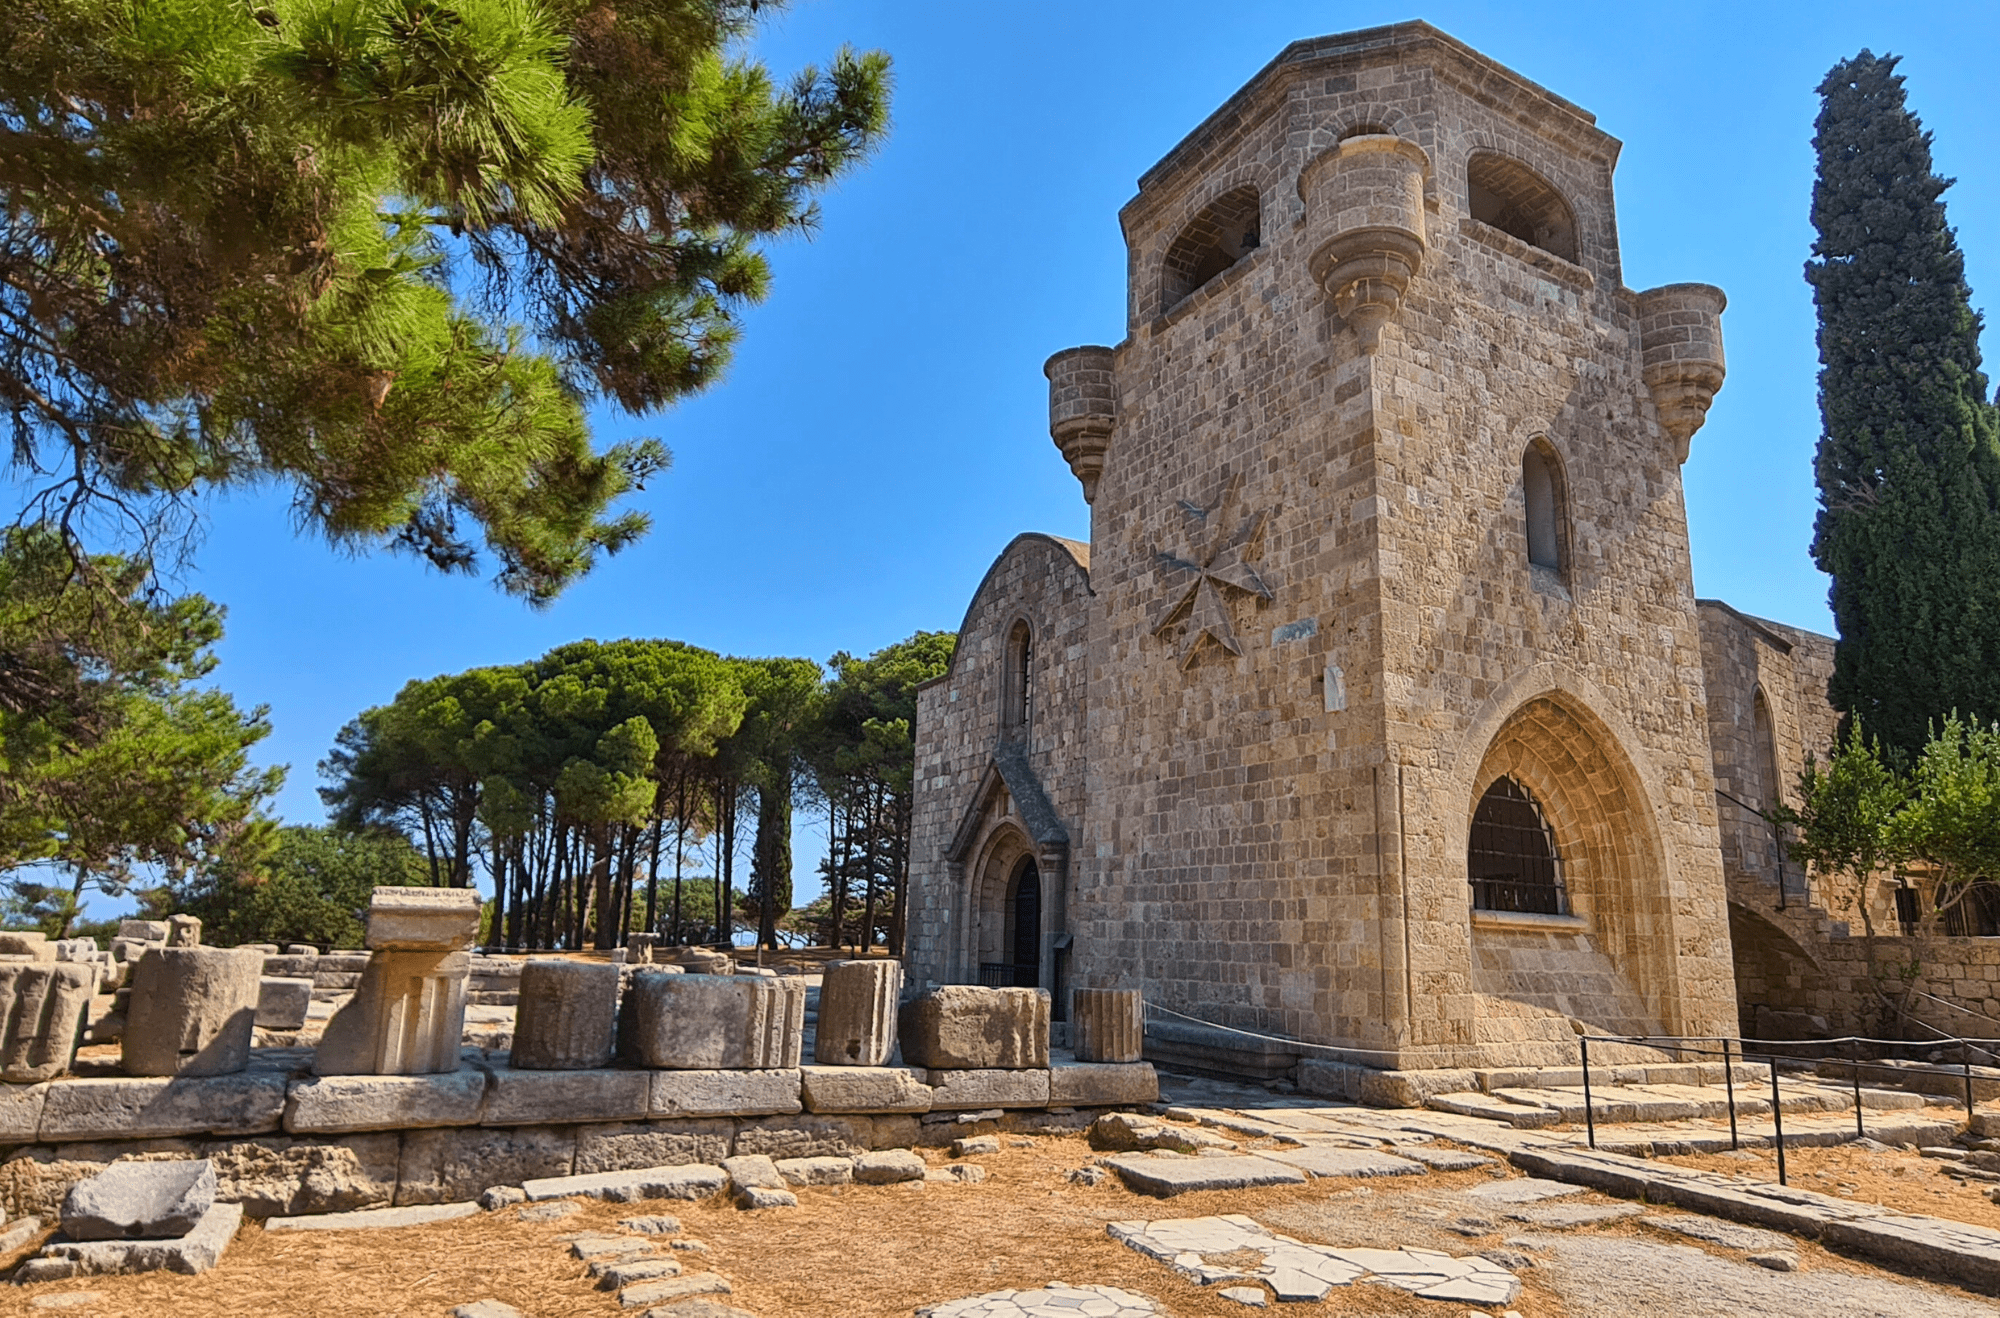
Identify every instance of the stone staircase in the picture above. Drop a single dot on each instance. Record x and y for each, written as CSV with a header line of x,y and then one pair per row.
x,y
1530,1098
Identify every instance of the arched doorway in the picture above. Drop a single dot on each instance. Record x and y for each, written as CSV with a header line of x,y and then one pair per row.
x,y
1024,921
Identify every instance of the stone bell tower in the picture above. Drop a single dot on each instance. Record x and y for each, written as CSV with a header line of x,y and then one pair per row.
x,y
1391,720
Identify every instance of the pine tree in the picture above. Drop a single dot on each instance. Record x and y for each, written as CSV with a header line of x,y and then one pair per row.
x,y
1908,464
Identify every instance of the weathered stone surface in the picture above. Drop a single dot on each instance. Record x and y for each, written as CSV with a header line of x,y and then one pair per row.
x,y
275,1175
962,1027
282,1003
806,1137
1056,1297
816,1171
1150,1174
611,1274
183,931
447,1166
21,1112
111,1108
629,1146
857,1013
325,1104
140,1200
1103,1084
974,1145
667,1289
553,1211
567,1016
1730,1235
1329,1160
864,1089
197,1251
28,943
888,1167
374,1219
41,1013
291,966
530,1098
1567,1217
894,1131
695,1181
485,1309
988,1088
422,919
191,1011
962,1173
753,1170
1444,1160
724,1093
653,1224
711,1022
407,1015
699,1308
1528,1190
1107,1025
18,1233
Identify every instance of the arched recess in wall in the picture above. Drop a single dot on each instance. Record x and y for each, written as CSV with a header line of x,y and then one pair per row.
x,y
1223,233
991,943
1612,867
1514,199
1775,973
1016,688
1545,501
1764,745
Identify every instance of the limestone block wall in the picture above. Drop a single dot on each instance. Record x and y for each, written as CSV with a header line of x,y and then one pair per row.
x,y
956,915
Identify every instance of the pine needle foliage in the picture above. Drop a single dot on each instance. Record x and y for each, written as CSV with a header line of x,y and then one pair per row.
x,y
1908,463
386,252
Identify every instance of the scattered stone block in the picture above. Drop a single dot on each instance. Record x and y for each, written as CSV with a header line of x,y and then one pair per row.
x,y
857,1013
530,1098
1103,1084
183,931
816,1171
115,1108
600,1246
753,1170
1152,1174
1777,1261
888,1167
966,1173
554,1211
1125,1132
485,1309
699,1309
30,943
42,1008
273,1175
67,1300
689,1182
712,1022
140,1200
1730,1235
422,919
973,1145
1444,1160
809,1137
668,1289
755,1197
654,1224
1107,1025
611,1274
197,1251
1056,1297
989,1089
191,1012
1567,1217
567,1016
724,1093
282,1002
967,1028
406,1017
447,1166
1253,1296
1331,1160
18,1233
639,949
338,1103
864,1089
374,1219
497,1197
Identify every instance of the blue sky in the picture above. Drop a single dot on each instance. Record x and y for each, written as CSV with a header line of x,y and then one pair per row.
x,y
883,432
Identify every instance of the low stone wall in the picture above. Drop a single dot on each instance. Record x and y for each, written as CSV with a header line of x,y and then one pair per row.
x,y
1830,980
286,1142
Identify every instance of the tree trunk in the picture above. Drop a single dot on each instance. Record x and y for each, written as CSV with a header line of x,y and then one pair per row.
x,y
725,874
771,859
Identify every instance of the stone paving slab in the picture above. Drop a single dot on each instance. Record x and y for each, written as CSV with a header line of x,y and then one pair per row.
x,y
690,1181
1054,1300
369,1219
1565,1217
1445,1160
1328,1160
1529,1191
196,1252
1151,1174
1729,1235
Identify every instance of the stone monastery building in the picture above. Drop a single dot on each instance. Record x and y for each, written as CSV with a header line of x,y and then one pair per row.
x,y
1379,711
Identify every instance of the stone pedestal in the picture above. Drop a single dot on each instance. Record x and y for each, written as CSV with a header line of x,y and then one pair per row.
x,y
1107,1025
567,1015
185,931
422,919
961,1027
639,948
41,1011
712,1022
191,1011
282,1002
857,1013
408,1011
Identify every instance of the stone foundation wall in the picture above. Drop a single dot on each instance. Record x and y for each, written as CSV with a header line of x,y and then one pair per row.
x,y
1831,980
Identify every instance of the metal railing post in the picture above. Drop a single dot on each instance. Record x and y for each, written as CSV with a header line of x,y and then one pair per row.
x,y
1859,1132
1778,1119
1965,1060
1729,1081
1589,1120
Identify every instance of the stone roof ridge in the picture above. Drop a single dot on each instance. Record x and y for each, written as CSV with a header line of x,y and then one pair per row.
x,y
1783,635
1363,41
1079,553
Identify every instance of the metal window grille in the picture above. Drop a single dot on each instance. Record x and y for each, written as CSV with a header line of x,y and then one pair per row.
x,y
996,974
1512,861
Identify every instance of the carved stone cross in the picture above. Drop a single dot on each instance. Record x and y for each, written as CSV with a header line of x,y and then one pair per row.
x,y
1210,559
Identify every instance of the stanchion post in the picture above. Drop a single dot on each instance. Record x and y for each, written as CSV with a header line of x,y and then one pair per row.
x,y
1777,1119
1859,1132
1589,1119
1965,1060
1729,1082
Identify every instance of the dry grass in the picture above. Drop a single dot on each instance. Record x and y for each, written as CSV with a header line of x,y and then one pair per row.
x,y
1892,1178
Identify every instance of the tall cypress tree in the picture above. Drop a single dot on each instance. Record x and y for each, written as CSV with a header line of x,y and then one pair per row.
x,y
1908,464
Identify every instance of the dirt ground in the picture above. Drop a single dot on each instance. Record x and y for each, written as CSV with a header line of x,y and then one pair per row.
x,y
846,1251
1892,1178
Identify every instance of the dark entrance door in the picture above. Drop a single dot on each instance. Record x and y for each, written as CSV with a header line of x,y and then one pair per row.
x,y
1028,927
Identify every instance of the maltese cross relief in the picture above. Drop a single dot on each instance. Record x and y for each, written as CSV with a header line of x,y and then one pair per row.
x,y
1205,564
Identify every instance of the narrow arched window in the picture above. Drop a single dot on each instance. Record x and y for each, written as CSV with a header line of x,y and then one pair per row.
x,y
1511,857
1514,199
1018,694
1543,493
1765,746
1227,230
